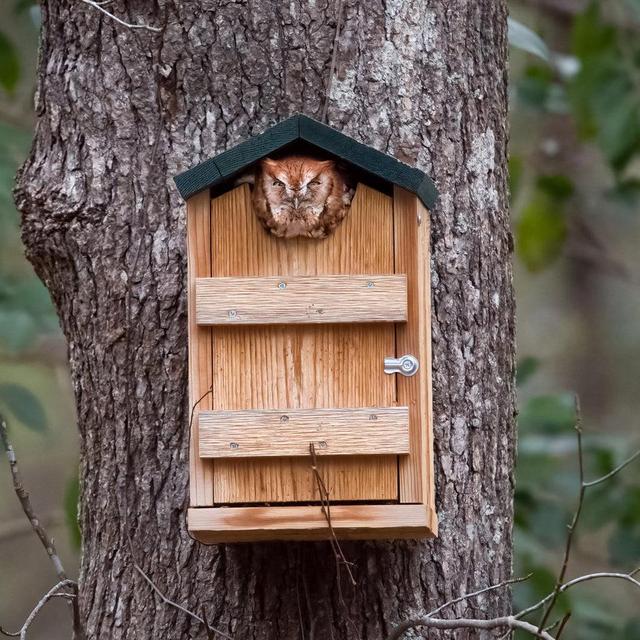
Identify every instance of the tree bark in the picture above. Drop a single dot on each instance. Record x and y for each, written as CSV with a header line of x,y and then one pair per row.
x,y
120,111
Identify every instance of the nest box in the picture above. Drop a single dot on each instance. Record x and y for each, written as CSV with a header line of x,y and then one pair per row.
x,y
303,342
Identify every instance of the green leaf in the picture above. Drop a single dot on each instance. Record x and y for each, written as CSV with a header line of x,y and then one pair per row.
x,y
9,64
549,414
604,94
540,232
21,6
24,406
524,38
557,186
527,366
71,501
535,85
590,35
17,329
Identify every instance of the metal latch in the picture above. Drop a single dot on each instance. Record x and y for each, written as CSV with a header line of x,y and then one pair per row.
x,y
407,365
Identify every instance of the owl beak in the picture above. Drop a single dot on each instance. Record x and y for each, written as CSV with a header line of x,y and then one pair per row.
x,y
296,201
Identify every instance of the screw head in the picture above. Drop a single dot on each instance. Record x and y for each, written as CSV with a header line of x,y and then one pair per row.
x,y
322,444
234,445
233,313
370,284
284,418
282,285
373,416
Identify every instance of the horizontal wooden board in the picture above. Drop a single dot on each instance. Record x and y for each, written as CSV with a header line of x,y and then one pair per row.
x,y
301,299
356,522
289,432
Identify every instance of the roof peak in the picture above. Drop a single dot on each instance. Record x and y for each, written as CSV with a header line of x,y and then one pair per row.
x,y
224,166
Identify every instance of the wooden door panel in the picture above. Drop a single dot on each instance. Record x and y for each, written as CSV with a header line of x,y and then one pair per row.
x,y
302,366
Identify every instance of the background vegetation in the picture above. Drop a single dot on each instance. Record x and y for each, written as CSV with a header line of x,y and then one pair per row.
x,y
575,184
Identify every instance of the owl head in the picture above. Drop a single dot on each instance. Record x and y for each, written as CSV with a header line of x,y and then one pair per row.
x,y
297,184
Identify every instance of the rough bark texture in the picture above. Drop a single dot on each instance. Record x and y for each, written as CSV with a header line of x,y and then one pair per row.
x,y
120,111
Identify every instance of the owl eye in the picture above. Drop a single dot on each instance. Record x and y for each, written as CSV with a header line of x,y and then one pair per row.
x,y
278,183
314,183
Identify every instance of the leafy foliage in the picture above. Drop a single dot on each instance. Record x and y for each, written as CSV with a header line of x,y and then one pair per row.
x,y
24,406
542,228
605,93
25,306
546,490
528,40
9,64
601,97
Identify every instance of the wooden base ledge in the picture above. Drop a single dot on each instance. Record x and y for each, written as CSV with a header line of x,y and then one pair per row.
x,y
350,522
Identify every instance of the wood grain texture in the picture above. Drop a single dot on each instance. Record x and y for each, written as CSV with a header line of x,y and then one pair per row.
x,y
412,256
304,366
199,340
301,299
357,522
289,432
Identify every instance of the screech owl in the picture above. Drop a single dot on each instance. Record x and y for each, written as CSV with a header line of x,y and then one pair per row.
x,y
300,196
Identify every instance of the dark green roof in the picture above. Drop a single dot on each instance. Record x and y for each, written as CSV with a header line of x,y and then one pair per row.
x,y
221,168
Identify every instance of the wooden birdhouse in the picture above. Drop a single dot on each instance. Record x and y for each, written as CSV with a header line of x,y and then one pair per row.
x,y
309,360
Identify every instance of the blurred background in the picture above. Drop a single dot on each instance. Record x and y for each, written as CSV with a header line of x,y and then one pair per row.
x,y
575,189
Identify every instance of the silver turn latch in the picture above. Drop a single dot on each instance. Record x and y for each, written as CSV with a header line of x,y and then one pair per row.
x,y
406,365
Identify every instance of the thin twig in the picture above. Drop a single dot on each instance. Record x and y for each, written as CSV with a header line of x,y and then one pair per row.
x,y
52,593
19,526
100,7
628,577
574,522
27,507
211,632
332,67
563,624
197,402
326,510
608,476
510,622
166,600
36,524
467,596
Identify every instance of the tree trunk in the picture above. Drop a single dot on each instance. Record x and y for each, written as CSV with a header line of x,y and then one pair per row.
x,y
120,111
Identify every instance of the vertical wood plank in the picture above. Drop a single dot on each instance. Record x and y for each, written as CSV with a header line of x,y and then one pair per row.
x,y
200,362
412,257
318,366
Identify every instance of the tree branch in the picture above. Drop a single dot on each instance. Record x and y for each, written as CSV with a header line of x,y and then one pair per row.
x,y
100,7
571,583
509,622
171,603
574,522
36,525
27,507
52,593
618,469
466,596
549,601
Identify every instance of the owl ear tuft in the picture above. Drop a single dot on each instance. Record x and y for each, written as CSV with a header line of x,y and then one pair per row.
x,y
269,164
